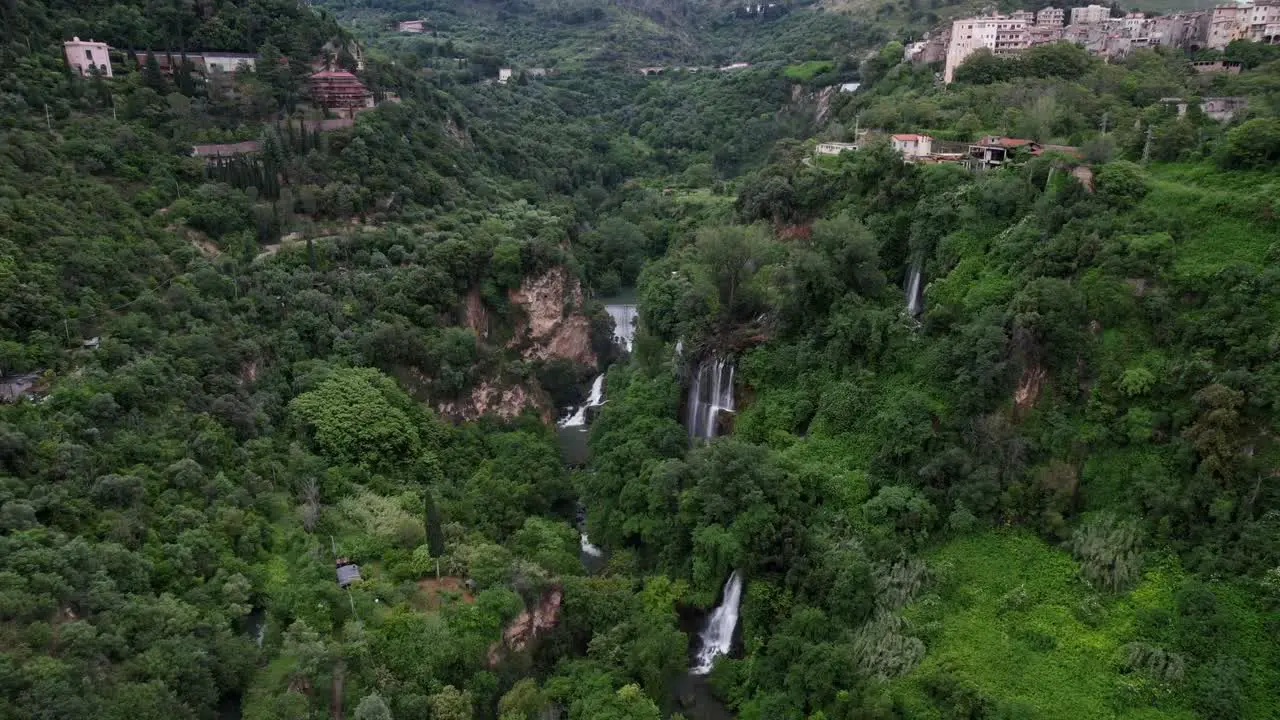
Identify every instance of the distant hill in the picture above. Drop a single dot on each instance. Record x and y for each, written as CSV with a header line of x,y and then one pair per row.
x,y
576,33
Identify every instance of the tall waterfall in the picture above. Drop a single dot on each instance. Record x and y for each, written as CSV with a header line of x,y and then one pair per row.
x,y
915,294
624,323
716,636
596,398
710,394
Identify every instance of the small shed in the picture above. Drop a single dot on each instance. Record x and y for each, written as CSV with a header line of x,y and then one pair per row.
x,y
348,572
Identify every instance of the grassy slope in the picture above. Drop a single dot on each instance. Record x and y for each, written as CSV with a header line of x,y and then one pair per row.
x,y
991,642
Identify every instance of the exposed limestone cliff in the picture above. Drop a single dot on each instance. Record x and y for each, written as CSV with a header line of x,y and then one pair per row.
x,y
489,397
528,625
553,325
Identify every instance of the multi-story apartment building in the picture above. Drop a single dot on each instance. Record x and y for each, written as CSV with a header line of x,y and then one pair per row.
x,y
1051,17
1090,15
1000,34
1228,23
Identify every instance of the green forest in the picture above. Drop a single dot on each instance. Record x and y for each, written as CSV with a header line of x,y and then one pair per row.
x,y
599,395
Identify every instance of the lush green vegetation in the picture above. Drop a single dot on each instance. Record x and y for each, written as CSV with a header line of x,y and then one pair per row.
x,y
1050,495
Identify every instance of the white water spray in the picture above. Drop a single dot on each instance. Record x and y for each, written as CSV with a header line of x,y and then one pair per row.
x,y
915,294
595,399
588,548
624,323
710,394
716,637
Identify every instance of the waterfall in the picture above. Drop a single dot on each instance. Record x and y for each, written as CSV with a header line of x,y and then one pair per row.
x,y
716,636
915,296
710,394
588,548
596,398
624,323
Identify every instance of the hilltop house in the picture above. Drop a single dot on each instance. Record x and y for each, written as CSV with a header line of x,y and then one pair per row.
x,y
912,146
412,26
86,56
834,148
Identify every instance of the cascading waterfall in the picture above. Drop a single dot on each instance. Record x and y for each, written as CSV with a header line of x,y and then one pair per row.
x,y
710,394
915,294
716,637
588,548
595,399
624,323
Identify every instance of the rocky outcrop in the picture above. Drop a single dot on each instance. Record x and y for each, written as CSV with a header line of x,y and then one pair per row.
x,y
1028,390
489,397
477,317
553,325
528,625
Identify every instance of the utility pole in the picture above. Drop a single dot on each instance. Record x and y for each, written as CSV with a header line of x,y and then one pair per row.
x,y
48,123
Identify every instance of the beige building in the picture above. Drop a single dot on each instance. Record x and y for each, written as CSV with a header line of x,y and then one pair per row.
x,y
912,146
412,26
1229,23
1090,15
85,56
1000,34
1051,17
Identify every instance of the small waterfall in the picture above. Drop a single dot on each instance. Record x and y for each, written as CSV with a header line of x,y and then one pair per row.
x,y
915,293
710,394
588,548
595,399
624,323
716,636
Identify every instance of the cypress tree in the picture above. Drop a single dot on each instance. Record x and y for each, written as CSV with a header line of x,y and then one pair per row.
x,y
435,531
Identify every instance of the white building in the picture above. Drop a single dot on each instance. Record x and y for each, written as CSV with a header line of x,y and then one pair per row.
x,y
998,33
835,148
412,26
1090,15
220,62
86,56
504,75
912,146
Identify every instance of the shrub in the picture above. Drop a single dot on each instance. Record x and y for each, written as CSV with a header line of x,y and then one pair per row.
x,y
1109,551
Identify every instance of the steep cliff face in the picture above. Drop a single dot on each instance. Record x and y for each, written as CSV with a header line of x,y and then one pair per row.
x,y
553,325
528,626
476,316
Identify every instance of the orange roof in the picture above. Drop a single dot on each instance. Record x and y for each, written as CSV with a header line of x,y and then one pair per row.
x,y
909,136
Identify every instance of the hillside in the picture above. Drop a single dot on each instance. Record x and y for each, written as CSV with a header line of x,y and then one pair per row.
x,y
359,384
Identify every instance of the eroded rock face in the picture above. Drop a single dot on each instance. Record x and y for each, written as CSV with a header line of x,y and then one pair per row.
x,y
528,625
554,325
477,317
1028,390
492,398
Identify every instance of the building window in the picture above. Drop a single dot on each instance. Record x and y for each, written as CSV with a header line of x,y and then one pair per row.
x,y
88,55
